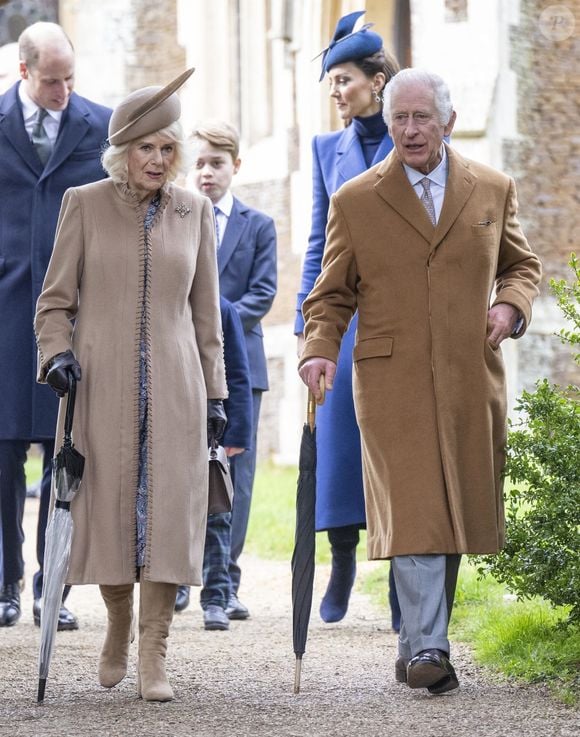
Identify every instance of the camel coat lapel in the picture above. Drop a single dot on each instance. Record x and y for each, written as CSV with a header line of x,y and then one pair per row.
x,y
394,187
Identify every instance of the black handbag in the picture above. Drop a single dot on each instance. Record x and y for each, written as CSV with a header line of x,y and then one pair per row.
x,y
221,489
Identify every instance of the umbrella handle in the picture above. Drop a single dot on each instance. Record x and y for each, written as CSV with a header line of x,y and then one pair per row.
x,y
70,409
312,402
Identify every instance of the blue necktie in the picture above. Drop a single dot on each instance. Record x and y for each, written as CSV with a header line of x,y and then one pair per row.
x,y
216,211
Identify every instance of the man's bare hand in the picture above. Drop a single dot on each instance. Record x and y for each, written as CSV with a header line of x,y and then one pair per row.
x,y
501,321
310,373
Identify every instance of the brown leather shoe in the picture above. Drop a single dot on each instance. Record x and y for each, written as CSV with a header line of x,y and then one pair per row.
x,y
432,670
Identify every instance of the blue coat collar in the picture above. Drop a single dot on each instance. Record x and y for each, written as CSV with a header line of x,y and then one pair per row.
x,y
350,159
74,126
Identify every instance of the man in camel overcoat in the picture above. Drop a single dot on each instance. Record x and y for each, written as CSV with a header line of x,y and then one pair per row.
x,y
427,247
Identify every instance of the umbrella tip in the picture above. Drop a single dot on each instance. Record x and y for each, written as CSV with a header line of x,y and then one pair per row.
x,y
297,672
41,687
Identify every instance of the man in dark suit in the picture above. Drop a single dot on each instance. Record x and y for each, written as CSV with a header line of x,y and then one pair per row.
x,y
50,139
246,240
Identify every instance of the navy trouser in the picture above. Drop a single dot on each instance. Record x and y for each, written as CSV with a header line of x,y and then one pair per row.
x,y
216,557
243,470
12,498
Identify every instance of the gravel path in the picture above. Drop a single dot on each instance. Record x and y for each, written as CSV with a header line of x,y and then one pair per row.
x,y
239,682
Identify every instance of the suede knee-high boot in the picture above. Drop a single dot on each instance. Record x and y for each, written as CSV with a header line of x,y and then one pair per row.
x,y
115,652
156,605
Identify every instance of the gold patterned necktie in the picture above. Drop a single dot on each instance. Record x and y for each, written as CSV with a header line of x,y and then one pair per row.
x,y
427,199
40,137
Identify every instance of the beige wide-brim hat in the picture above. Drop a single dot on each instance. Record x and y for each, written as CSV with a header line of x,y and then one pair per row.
x,y
146,110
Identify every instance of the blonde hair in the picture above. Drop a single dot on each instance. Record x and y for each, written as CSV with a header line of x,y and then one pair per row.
x,y
218,134
114,158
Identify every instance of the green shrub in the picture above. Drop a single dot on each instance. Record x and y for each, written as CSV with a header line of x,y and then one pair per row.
x,y
541,556
568,296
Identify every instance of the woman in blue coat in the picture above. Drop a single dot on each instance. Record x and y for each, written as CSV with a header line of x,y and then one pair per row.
x,y
358,68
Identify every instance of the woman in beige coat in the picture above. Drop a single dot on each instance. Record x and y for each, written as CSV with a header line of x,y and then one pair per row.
x,y
131,296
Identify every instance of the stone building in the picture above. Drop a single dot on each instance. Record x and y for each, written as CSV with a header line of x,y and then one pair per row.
x,y
513,70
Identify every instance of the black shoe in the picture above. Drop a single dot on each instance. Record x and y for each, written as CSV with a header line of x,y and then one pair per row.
x,y
235,609
10,604
66,619
182,598
432,670
215,618
334,604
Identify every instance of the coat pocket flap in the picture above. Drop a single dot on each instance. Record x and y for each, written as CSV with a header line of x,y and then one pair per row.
x,y
373,348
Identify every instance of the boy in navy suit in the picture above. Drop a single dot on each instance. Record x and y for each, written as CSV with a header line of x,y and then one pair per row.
x,y
237,438
246,241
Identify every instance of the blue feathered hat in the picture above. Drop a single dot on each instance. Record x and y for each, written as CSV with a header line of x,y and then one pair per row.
x,y
347,45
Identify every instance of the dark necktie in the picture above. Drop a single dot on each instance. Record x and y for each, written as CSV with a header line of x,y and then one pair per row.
x,y
427,199
216,212
40,138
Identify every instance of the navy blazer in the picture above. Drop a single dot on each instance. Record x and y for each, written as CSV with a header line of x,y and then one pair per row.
x,y
30,198
248,278
336,158
238,405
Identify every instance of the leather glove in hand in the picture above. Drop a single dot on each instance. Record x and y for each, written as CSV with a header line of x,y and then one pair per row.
x,y
216,420
57,376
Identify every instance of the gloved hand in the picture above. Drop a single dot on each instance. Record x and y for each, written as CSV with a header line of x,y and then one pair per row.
x,y
57,375
216,420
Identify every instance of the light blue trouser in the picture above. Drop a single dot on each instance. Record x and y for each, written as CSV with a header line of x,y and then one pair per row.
x,y
426,587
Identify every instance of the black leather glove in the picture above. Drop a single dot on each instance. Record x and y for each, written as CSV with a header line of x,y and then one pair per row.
x,y
216,420
57,375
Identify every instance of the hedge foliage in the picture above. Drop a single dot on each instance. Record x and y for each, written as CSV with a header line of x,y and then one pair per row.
x,y
542,552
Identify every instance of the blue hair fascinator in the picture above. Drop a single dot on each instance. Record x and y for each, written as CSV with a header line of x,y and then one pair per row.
x,y
349,45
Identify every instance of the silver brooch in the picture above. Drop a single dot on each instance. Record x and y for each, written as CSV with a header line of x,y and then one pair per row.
x,y
182,210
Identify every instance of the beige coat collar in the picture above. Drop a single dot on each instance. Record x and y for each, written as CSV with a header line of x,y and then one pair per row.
x,y
130,197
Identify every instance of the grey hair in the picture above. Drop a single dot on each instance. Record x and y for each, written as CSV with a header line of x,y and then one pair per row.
x,y
441,94
114,158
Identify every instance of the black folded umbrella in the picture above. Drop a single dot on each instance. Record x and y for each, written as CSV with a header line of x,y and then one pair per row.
x,y
304,539
67,471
